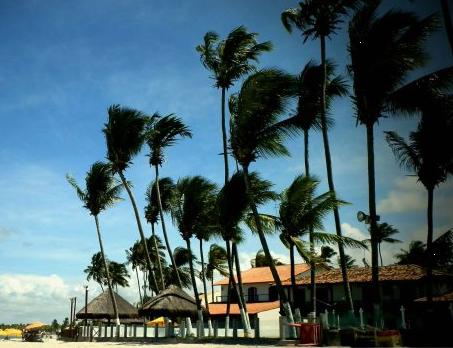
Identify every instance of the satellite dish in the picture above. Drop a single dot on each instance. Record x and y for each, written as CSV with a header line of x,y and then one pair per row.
x,y
361,216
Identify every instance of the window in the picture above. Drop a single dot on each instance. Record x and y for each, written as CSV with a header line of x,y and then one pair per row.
x,y
273,293
252,294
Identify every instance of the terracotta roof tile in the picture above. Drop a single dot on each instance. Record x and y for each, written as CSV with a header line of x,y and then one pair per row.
x,y
264,275
442,298
363,274
252,308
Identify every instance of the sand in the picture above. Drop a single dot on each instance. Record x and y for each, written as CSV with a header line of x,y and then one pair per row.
x,y
53,343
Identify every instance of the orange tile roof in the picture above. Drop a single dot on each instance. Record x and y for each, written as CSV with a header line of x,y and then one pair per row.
x,y
363,274
264,275
252,308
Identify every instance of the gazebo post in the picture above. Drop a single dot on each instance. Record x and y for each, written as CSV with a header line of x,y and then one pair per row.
x,y
111,330
156,331
145,329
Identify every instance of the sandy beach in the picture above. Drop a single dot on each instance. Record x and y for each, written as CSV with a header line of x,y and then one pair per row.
x,y
51,343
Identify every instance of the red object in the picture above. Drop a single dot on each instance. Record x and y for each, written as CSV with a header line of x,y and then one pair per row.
x,y
388,333
309,333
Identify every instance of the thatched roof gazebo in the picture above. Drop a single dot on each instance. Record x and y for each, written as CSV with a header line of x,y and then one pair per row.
x,y
171,303
101,307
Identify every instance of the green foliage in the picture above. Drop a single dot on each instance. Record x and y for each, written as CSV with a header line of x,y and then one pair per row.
x,y
230,59
217,261
163,132
102,190
261,260
255,112
124,135
166,188
316,18
118,272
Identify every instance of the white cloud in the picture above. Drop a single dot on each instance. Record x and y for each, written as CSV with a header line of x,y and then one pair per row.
x,y
25,298
408,195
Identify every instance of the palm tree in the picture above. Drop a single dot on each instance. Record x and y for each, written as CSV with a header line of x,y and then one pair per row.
x,y
416,254
101,192
192,210
233,207
383,49
350,262
96,270
430,156
182,258
134,258
124,135
301,213
119,274
384,233
261,260
163,132
229,60
166,187
217,259
326,255
320,19
255,112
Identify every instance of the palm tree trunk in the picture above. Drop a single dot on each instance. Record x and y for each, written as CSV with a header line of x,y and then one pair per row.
x,y
310,232
144,284
224,138
138,282
297,316
230,257
241,288
107,274
373,223
325,137
429,247
228,306
283,298
205,287
447,22
159,263
164,230
380,254
212,288
140,230
195,289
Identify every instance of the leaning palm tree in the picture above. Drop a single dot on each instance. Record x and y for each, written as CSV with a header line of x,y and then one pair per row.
x,y
217,260
301,213
163,132
124,135
384,49
152,211
429,154
384,233
320,19
233,208
101,192
255,111
192,210
134,258
229,60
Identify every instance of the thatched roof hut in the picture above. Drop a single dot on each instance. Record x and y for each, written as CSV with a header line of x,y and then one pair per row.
x,y
101,307
171,303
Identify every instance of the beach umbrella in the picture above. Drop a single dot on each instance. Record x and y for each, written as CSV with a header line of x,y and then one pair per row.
x,y
12,332
36,325
171,303
159,322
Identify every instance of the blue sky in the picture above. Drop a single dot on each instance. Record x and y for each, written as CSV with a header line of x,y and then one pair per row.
x,y
63,63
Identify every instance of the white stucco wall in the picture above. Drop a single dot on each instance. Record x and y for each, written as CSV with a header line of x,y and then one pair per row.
x,y
269,323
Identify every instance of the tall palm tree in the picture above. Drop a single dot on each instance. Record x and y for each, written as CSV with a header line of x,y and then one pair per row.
x,y
192,210
217,260
301,213
255,111
416,254
96,270
384,233
134,258
320,19
228,60
118,274
101,192
163,132
233,207
383,50
152,211
429,154
124,135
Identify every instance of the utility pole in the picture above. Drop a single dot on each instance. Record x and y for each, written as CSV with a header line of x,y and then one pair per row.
x,y
86,305
70,313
